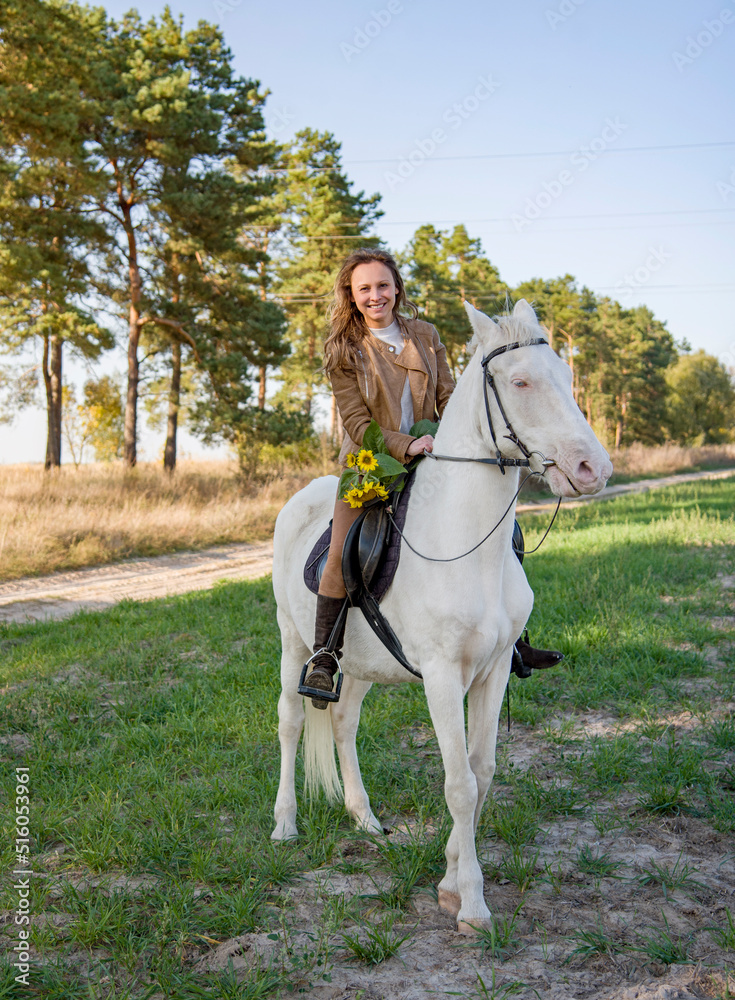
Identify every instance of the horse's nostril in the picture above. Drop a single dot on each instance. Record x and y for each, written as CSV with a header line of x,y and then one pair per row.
x,y
585,473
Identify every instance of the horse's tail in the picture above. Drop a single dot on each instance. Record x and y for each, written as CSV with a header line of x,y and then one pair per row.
x,y
320,768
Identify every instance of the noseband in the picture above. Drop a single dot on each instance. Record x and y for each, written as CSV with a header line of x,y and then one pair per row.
x,y
500,460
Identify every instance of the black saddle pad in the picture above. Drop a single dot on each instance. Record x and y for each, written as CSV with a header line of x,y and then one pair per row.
x,y
387,570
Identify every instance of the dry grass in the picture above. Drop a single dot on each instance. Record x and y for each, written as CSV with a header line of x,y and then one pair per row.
x,y
100,513
638,461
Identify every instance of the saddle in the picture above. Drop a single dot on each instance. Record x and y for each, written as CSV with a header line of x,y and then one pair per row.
x,y
369,562
371,551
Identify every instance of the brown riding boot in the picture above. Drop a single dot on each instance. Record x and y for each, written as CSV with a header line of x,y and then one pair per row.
x,y
324,666
526,659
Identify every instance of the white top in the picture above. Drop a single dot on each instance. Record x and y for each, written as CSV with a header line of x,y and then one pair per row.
x,y
392,336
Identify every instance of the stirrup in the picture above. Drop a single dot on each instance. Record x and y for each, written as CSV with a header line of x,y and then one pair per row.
x,y
517,666
311,692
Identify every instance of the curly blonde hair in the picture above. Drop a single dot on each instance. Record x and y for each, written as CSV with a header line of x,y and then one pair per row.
x,y
347,326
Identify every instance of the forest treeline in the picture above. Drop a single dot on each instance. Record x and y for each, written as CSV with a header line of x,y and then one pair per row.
x,y
143,206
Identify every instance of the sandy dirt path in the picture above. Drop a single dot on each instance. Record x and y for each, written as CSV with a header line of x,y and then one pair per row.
x,y
61,594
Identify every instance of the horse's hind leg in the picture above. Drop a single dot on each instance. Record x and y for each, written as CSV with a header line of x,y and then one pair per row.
x,y
345,720
294,654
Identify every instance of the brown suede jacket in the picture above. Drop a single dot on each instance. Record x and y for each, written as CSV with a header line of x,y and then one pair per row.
x,y
372,389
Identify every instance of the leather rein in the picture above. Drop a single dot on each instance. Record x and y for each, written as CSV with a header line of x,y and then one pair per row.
x,y
500,460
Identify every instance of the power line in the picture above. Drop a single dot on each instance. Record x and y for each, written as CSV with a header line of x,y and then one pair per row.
x,y
583,215
337,166
566,229
477,294
556,152
621,287
621,229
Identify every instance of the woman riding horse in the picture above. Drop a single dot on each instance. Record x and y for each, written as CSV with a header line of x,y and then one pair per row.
x,y
386,367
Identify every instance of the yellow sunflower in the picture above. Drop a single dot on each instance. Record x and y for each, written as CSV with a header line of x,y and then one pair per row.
x,y
366,461
381,491
353,497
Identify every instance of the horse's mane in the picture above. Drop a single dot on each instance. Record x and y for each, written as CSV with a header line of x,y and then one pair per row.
x,y
512,330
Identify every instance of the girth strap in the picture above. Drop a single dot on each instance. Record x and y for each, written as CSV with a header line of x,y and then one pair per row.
x,y
360,597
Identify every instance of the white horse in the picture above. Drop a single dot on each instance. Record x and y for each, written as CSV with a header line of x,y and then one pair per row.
x,y
457,621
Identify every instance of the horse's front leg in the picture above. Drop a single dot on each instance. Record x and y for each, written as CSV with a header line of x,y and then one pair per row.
x,y
461,890
345,720
485,700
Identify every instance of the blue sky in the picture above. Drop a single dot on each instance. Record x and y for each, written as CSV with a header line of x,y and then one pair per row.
x,y
514,119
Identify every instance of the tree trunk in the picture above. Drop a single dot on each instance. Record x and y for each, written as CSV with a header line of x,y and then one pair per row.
x,y
263,297
570,361
311,354
620,424
174,396
52,350
131,402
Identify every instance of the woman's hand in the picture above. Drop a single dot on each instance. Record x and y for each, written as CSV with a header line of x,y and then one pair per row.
x,y
420,445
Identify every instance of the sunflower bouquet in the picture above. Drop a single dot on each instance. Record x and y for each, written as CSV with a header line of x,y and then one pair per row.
x,y
370,471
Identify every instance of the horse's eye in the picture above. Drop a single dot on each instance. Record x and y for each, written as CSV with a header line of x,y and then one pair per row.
x,y
519,383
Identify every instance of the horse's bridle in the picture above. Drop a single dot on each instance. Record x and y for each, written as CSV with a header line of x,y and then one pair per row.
x,y
500,460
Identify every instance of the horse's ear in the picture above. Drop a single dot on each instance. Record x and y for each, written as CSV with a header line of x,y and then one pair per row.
x,y
524,312
485,329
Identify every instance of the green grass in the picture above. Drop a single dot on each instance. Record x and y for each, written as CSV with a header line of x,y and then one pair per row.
x,y
150,731
680,875
377,942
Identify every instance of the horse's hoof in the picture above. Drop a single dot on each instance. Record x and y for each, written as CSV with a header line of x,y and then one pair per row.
x,y
283,832
450,901
472,928
369,825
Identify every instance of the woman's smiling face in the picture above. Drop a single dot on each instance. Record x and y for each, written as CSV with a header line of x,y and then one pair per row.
x,y
374,293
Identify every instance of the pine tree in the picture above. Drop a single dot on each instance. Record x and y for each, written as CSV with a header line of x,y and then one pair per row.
x,y
567,313
635,352
46,181
203,265
325,221
444,269
167,106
